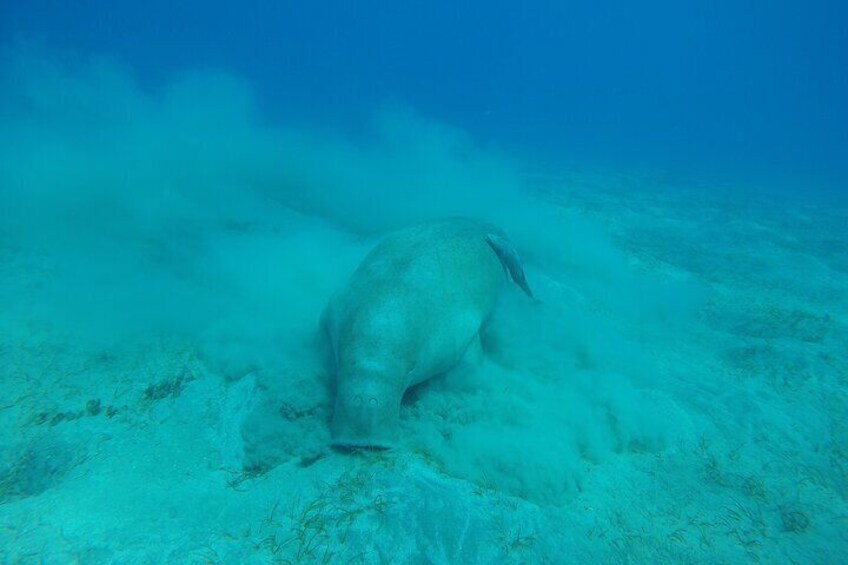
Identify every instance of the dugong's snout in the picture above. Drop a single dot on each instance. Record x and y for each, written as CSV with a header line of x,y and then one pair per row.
x,y
365,418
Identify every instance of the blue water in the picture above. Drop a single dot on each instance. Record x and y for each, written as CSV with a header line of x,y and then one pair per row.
x,y
184,188
756,87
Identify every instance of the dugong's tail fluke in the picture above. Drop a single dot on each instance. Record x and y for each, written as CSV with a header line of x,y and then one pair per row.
x,y
510,260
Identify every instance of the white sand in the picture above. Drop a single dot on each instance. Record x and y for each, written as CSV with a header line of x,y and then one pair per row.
x,y
679,394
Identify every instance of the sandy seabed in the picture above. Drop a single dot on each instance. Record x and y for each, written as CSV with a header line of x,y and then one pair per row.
x,y
691,409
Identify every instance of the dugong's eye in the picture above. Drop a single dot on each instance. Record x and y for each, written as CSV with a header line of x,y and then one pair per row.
x,y
372,402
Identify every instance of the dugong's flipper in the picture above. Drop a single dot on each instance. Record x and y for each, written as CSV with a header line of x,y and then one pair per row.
x,y
510,260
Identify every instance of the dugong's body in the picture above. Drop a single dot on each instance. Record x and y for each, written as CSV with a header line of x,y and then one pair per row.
x,y
408,313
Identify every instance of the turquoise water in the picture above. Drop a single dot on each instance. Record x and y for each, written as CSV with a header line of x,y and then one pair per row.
x,y
182,190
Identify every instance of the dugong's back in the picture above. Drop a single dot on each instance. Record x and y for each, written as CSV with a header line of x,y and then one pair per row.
x,y
408,313
424,274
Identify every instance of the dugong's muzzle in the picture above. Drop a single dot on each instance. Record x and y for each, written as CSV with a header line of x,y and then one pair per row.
x,y
365,416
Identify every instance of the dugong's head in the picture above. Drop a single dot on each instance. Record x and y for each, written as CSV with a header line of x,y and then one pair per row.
x,y
367,410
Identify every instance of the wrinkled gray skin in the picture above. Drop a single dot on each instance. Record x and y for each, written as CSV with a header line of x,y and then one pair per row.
x,y
408,313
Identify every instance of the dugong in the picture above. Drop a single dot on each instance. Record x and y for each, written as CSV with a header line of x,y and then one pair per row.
x,y
408,313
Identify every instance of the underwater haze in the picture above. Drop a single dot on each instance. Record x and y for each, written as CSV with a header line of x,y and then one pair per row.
x,y
184,187
748,87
